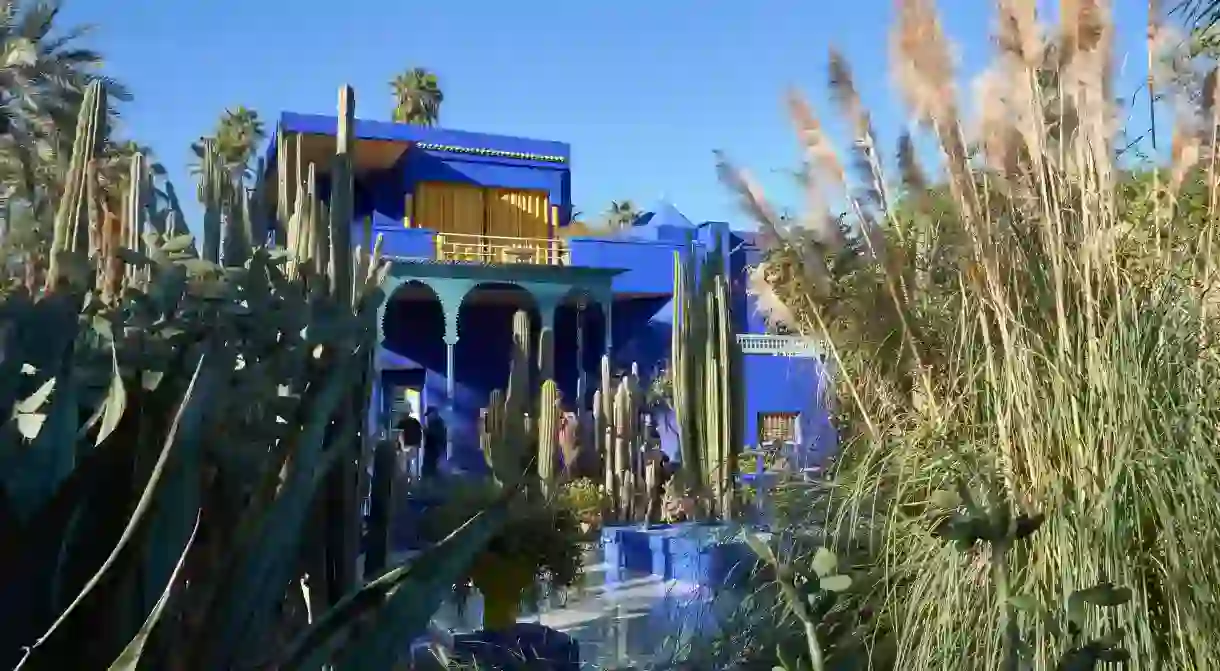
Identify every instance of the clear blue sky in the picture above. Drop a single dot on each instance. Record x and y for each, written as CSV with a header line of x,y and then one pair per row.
x,y
643,90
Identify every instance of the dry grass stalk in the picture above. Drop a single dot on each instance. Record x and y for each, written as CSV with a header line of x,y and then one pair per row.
x,y
1025,330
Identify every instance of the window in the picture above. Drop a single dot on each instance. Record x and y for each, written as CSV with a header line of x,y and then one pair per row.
x,y
773,426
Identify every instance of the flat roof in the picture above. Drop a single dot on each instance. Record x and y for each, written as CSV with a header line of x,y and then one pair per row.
x,y
430,138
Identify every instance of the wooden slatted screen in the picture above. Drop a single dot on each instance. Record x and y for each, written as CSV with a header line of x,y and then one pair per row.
x,y
518,214
449,208
774,426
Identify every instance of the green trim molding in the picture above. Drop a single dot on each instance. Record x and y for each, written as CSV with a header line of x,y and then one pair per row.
x,y
497,153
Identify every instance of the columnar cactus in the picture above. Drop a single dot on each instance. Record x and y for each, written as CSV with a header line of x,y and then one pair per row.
x,y
548,434
707,395
652,485
515,431
519,371
70,239
569,443
618,438
546,354
624,439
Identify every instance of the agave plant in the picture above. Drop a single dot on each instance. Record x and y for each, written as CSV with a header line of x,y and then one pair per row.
x,y
177,468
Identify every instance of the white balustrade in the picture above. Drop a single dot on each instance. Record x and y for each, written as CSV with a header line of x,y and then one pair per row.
x,y
778,345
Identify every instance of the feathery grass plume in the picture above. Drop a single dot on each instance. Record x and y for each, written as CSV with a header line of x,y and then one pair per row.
x,y
872,192
1064,363
922,67
822,170
1017,31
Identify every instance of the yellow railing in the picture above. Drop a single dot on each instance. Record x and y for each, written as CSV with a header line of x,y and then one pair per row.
x,y
501,249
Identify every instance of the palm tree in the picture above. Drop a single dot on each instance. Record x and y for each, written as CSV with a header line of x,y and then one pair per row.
x,y
114,170
621,214
239,133
417,97
1201,18
43,76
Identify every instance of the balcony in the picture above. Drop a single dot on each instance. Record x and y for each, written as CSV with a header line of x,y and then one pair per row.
x,y
492,249
778,345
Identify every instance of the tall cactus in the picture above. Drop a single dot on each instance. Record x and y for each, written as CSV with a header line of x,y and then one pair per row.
x,y
546,354
69,242
618,439
548,434
491,428
519,369
517,431
706,360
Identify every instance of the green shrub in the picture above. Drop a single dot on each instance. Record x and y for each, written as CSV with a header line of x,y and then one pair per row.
x,y
586,500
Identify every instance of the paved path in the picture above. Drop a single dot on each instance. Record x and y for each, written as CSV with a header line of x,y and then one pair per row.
x,y
629,624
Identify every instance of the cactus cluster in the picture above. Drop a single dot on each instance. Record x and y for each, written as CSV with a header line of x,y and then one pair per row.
x,y
708,399
180,476
619,437
525,433
519,431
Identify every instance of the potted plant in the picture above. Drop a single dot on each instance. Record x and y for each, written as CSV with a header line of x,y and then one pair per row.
x,y
541,544
587,501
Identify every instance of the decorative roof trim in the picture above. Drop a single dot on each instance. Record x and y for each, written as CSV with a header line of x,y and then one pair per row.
x,y
498,153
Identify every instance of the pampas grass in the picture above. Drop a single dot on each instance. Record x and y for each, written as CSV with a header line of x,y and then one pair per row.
x,y
1032,321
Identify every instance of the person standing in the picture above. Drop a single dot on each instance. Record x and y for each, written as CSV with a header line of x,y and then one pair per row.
x,y
436,438
410,435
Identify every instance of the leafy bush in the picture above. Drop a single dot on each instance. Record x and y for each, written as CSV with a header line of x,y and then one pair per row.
x,y
586,500
538,534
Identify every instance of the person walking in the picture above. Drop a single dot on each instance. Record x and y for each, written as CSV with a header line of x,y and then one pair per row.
x,y
436,438
410,435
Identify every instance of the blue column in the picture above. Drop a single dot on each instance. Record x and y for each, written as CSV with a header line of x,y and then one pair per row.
x,y
606,299
378,407
450,388
580,353
451,293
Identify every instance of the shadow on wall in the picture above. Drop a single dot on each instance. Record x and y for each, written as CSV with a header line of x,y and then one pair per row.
x,y
414,332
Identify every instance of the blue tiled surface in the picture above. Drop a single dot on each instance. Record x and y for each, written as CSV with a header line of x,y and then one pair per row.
x,y
694,554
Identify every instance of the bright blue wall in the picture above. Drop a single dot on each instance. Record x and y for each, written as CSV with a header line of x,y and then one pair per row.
x,y
649,265
365,129
380,195
789,384
399,242
642,312
414,330
431,166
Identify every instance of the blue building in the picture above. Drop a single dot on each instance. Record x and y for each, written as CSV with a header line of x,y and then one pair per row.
x,y
475,227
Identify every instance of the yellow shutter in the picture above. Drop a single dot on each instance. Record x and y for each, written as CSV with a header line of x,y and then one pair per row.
x,y
467,209
535,208
449,208
518,214
501,214
429,204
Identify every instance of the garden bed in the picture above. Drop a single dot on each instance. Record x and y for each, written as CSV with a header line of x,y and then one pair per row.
x,y
691,554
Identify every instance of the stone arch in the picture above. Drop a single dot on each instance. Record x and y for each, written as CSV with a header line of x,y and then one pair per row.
x,y
484,326
481,356
589,297
506,295
412,314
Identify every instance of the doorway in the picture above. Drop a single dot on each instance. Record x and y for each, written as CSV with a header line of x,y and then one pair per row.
x,y
403,393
